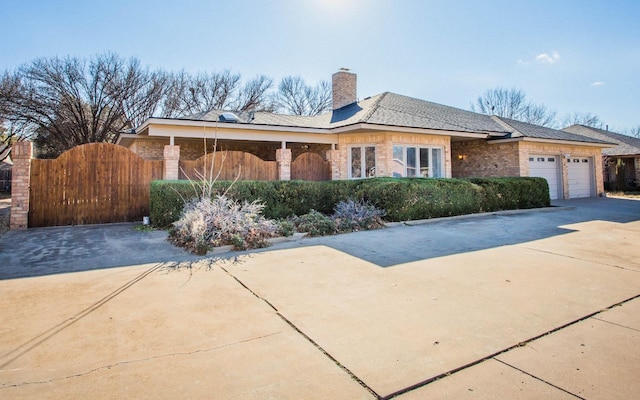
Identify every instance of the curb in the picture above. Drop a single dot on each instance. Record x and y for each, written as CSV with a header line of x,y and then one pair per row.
x,y
479,215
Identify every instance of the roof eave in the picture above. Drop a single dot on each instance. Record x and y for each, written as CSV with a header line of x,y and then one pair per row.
x,y
555,141
394,128
230,125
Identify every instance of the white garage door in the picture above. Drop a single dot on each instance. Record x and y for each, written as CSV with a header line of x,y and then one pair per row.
x,y
579,174
547,167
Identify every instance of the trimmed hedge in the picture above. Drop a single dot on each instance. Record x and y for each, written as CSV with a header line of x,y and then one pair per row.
x,y
403,198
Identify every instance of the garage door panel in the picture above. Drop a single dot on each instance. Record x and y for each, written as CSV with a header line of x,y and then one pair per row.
x,y
580,177
547,167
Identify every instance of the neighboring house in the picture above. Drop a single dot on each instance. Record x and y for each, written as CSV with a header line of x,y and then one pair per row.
x,y
626,155
5,175
384,135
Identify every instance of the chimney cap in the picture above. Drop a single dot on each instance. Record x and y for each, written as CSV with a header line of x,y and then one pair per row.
x,y
345,69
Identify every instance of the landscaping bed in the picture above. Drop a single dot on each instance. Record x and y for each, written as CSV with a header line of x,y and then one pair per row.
x,y
247,214
402,199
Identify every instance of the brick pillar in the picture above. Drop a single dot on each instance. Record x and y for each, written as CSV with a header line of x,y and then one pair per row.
x,y
21,154
565,177
171,162
637,164
333,156
283,158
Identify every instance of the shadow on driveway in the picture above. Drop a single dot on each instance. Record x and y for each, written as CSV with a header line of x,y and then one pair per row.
x,y
46,251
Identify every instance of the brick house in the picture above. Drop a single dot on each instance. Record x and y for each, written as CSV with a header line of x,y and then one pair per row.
x,y
383,135
626,154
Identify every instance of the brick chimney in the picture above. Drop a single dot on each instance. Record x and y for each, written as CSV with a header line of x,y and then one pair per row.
x,y
343,87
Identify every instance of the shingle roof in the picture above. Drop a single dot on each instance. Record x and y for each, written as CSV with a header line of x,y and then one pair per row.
x,y
397,110
626,145
390,109
524,129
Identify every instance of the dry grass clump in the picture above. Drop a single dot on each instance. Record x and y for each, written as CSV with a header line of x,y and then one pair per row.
x,y
212,222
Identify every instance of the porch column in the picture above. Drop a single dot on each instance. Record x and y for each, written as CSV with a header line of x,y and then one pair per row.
x,y
171,162
333,156
21,154
283,159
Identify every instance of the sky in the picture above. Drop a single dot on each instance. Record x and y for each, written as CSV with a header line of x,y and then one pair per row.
x,y
570,55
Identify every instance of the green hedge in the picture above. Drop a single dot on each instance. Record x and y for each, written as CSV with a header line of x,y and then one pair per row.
x,y
403,198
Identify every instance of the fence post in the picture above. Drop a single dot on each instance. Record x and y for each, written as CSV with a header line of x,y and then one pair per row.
x,y
21,154
171,162
283,158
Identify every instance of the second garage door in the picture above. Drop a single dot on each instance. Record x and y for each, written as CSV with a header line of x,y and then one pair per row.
x,y
547,167
580,179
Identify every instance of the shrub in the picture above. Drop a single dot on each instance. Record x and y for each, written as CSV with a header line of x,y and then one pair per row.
x,y
352,216
315,224
402,198
286,228
207,223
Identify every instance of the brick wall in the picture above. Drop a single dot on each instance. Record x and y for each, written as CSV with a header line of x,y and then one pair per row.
x,y
149,149
477,158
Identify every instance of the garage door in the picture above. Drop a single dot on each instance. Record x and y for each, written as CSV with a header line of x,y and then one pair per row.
x,y
580,180
547,167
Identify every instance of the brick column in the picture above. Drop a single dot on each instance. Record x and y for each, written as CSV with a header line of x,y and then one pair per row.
x,y
333,156
171,162
637,164
283,158
21,154
565,177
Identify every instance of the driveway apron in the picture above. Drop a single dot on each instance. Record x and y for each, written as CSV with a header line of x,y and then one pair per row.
x,y
537,304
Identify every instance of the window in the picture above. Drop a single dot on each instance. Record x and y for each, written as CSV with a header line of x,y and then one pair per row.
x,y
363,162
425,162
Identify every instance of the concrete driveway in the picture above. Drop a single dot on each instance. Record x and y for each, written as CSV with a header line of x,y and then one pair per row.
x,y
529,305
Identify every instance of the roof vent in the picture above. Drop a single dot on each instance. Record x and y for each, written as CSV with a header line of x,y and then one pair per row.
x,y
228,117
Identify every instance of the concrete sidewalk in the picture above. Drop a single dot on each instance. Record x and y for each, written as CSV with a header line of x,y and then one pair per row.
x,y
547,309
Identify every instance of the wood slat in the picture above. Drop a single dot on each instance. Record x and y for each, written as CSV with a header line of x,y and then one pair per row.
x,y
310,167
227,165
91,184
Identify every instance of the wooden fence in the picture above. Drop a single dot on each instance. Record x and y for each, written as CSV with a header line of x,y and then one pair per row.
x,y
90,184
227,165
310,167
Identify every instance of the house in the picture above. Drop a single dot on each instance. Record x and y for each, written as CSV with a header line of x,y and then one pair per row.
x,y
623,159
383,135
5,175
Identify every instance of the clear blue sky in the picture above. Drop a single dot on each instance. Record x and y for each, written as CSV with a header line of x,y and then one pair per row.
x,y
572,56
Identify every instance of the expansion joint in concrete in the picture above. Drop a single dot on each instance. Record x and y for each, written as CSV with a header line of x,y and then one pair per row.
x,y
540,379
308,338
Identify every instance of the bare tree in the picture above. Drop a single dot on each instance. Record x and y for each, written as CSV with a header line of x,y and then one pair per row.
x,y
513,104
586,119
63,102
634,132
296,97
254,95
186,95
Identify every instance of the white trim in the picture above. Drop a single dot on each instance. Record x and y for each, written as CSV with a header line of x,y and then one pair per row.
x,y
223,132
392,128
297,129
555,141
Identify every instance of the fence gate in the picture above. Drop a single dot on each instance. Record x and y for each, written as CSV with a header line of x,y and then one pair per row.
x,y
91,184
229,165
310,167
